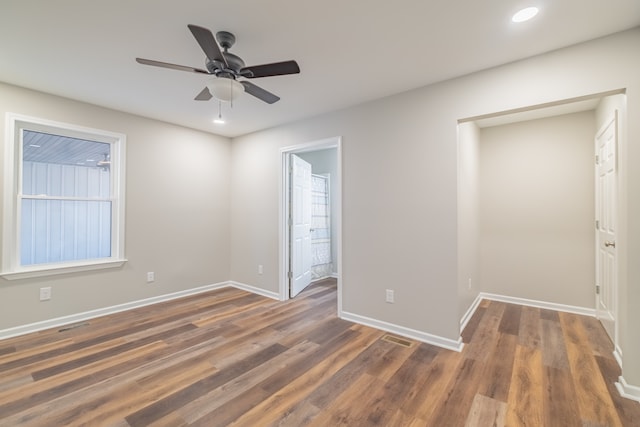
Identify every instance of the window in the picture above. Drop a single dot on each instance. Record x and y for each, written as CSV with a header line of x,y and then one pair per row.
x,y
63,198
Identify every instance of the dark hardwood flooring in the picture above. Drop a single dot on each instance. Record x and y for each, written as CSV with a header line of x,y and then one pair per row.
x,y
228,357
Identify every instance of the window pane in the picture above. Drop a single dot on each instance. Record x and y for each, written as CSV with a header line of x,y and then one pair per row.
x,y
64,230
67,214
54,165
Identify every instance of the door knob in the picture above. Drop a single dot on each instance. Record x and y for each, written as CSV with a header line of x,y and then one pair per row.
x,y
609,244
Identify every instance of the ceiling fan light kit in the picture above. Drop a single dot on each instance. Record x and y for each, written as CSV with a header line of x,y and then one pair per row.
x,y
224,89
226,68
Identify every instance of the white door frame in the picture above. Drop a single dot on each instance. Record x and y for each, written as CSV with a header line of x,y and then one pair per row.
x,y
283,228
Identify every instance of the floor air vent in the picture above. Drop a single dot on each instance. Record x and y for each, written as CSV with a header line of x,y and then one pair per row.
x,y
396,340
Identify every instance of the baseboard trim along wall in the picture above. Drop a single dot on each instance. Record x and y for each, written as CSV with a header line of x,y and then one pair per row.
x,y
254,290
617,353
522,301
628,391
539,304
469,314
87,315
92,314
447,343
625,390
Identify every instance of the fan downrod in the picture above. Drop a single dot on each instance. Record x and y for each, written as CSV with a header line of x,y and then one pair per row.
x,y
225,39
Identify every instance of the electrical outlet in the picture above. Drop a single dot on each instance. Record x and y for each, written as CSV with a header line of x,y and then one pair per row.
x,y
151,277
390,296
45,294
260,269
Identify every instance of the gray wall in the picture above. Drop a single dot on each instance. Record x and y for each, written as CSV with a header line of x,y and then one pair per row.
x,y
468,216
177,213
400,159
536,209
398,210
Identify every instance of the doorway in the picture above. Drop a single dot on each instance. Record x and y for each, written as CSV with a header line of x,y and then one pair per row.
x,y
290,256
525,280
321,231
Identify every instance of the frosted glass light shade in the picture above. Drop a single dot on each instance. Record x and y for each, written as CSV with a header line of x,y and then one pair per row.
x,y
225,89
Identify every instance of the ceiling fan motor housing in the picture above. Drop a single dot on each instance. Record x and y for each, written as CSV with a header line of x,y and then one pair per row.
x,y
234,64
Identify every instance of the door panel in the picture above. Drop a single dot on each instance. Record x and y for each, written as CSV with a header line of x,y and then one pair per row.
x,y
300,232
606,202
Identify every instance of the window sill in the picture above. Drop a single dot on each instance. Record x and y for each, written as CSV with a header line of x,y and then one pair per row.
x,y
51,269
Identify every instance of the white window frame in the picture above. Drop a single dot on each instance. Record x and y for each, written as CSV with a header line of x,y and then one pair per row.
x,y
14,125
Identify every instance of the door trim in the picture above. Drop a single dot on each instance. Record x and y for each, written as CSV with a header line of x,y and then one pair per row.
x,y
283,214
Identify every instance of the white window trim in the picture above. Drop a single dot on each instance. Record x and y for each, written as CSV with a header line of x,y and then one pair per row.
x,y
11,268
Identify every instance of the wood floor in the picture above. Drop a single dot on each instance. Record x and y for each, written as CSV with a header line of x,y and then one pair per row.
x,y
229,357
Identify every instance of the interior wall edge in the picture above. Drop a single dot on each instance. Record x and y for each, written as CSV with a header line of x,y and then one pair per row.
x,y
544,105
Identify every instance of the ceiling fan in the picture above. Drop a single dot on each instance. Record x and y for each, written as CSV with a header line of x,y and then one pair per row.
x,y
227,68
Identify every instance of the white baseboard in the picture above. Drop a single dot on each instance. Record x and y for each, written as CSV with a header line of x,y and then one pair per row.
x,y
254,290
405,332
91,314
628,391
469,314
539,304
617,354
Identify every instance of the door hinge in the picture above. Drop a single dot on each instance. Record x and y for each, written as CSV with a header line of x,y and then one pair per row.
x,y
597,224
597,159
597,289
290,221
290,274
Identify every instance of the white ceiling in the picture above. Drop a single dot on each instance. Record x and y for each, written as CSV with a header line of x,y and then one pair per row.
x,y
349,51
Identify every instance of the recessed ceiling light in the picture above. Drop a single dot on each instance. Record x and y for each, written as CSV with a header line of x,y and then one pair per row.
x,y
525,14
218,121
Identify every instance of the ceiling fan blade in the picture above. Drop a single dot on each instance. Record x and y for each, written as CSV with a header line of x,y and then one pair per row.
x,y
267,70
260,93
204,95
208,43
171,66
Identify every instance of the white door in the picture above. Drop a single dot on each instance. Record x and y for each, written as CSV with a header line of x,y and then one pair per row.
x,y
300,232
606,225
